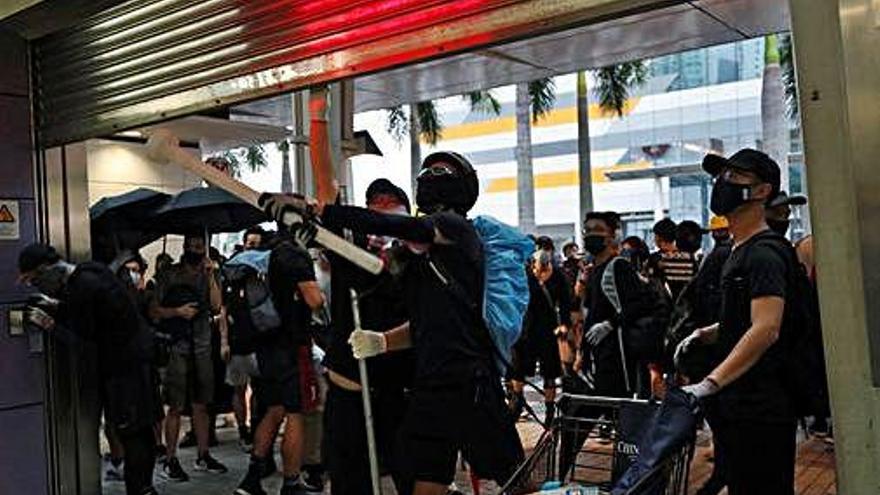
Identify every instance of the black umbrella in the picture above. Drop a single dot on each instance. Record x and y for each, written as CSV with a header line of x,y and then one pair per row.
x,y
123,221
205,209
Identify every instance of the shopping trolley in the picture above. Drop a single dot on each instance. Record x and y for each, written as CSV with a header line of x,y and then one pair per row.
x,y
592,443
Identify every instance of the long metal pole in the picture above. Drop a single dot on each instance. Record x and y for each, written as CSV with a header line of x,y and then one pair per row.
x,y
368,407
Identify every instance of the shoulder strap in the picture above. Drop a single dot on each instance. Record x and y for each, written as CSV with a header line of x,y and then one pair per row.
x,y
609,285
554,306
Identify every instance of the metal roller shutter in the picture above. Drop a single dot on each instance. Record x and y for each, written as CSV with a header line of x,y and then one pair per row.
x,y
149,60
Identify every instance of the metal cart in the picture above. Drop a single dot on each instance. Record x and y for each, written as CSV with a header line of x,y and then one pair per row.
x,y
592,443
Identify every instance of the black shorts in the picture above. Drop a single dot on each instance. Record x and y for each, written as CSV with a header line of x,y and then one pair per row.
x,y
527,353
470,418
286,378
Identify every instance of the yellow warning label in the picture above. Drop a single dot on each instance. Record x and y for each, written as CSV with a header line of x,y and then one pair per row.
x,y
6,216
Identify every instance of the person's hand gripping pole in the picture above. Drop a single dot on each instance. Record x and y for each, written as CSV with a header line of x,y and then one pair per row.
x,y
163,146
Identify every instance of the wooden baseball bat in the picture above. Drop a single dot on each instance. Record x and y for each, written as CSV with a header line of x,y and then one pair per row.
x,y
163,146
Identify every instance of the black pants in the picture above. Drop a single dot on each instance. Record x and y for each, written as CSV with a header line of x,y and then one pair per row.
x,y
345,438
759,457
140,458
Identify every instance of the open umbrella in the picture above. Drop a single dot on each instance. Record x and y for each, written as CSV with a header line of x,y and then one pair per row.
x,y
205,209
123,221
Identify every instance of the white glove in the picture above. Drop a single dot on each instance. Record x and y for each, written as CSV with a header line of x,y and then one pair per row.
x,y
366,343
598,332
685,346
702,389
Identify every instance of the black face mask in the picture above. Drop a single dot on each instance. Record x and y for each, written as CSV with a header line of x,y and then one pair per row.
x,y
688,245
721,239
594,244
437,193
727,197
779,226
192,258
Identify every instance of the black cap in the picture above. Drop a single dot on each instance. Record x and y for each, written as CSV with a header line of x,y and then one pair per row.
x,y
783,199
35,255
747,160
385,186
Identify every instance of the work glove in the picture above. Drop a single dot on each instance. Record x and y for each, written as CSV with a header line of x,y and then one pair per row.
x,y
598,332
304,234
685,346
366,343
707,387
277,205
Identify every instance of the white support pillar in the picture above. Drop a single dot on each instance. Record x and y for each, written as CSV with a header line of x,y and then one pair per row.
x,y
838,69
659,197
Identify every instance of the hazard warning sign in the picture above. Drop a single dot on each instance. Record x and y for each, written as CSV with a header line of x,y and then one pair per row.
x,y
9,220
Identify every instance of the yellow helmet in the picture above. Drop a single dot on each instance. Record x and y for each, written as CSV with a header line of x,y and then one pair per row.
x,y
718,222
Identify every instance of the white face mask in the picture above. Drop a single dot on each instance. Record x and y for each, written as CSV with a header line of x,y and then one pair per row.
x,y
135,277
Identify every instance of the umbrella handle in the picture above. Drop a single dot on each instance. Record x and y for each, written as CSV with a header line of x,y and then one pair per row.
x,y
163,146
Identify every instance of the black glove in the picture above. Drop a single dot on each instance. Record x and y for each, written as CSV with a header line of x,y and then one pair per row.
x,y
277,205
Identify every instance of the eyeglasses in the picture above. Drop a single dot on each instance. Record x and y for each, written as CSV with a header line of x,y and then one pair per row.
x,y
436,171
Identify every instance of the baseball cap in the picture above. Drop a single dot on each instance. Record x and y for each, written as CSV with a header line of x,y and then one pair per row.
x,y
35,255
386,187
783,199
746,160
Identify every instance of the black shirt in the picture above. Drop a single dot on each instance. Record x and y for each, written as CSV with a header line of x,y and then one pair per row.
x,y
549,306
289,266
753,271
382,307
449,337
636,300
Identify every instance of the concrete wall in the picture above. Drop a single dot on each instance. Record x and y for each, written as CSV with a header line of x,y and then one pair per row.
x,y
23,460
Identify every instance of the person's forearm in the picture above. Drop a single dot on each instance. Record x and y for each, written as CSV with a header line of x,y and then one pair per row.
x,y
744,355
369,222
163,313
399,338
214,294
223,327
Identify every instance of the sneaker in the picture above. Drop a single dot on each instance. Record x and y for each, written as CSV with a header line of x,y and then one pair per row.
x,y
250,486
313,478
209,464
300,488
172,470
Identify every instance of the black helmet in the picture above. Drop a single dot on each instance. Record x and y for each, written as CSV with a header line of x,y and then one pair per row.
x,y
456,192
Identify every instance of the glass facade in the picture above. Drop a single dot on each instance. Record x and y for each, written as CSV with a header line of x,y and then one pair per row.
x,y
713,65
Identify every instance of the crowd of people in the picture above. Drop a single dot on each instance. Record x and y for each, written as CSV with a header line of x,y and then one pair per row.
x,y
273,327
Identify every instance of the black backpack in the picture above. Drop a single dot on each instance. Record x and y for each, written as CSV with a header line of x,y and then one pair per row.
x,y
804,355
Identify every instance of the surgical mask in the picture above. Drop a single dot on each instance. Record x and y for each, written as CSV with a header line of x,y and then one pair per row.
x,y
727,196
192,257
779,226
51,279
594,244
135,277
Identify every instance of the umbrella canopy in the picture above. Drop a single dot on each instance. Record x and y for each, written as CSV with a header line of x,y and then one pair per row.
x,y
203,209
123,221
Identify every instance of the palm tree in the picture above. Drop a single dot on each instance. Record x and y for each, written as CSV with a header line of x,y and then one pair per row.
x,y
774,128
789,78
252,157
423,123
534,100
613,86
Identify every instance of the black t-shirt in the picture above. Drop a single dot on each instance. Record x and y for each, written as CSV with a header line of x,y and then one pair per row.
x,y
449,336
753,271
382,307
636,299
289,266
549,306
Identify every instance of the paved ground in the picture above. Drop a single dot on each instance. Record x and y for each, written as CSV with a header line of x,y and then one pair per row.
x,y
815,470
